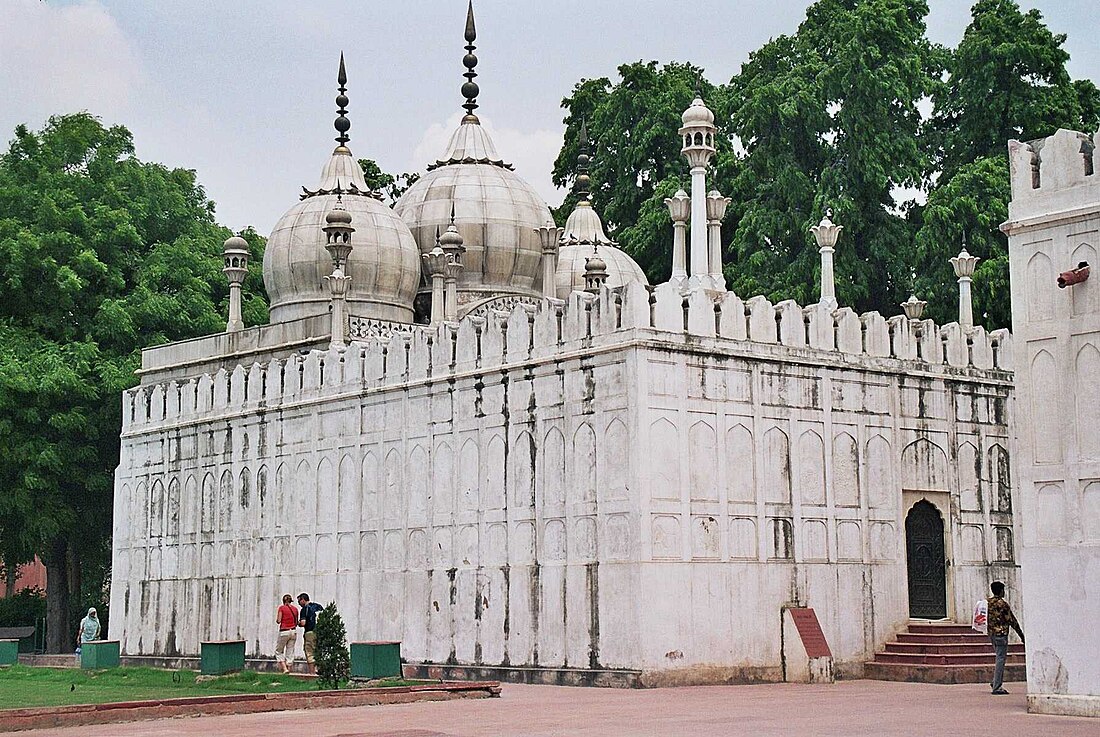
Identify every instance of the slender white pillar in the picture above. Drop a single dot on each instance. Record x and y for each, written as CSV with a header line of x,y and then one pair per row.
x,y
964,265
550,238
235,252
435,264
826,233
716,210
679,208
697,134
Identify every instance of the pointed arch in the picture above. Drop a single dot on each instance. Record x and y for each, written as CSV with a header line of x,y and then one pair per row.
x,y
924,466
845,463
777,468
584,464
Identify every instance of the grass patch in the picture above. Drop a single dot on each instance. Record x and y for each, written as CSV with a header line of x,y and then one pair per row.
x,y
23,686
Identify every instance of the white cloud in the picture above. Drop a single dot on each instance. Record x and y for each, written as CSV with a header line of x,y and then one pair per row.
x,y
62,59
531,152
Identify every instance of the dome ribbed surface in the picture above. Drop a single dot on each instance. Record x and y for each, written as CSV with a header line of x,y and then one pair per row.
x,y
495,210
384,264
621,268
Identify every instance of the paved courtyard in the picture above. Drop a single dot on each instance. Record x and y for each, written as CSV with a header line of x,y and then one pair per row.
x,y
850,708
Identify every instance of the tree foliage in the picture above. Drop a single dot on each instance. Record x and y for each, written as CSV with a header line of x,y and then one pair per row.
x,y
332,656
389,186
101,254
1007,79
829,118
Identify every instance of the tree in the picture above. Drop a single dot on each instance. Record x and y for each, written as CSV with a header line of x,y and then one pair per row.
x,y
1007,79
635,152
332,656
389,186
101,254
828,118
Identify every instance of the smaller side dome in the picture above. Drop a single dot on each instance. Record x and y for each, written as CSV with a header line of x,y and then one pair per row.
x,y
573,262
698,113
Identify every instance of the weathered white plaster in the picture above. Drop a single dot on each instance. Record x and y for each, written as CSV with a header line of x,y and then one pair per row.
x,y
564,486
1054,219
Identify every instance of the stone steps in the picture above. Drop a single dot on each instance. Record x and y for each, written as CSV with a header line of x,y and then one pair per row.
x,y
934,652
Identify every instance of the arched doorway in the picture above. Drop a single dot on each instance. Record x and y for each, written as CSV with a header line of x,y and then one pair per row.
x,y
926,562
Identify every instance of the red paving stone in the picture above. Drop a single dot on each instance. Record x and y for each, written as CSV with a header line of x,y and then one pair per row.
x,y
850,709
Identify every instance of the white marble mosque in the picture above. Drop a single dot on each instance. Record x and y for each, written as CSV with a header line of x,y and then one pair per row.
x,y
490,438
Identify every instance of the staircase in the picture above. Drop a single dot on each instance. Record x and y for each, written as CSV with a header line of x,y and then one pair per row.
x,y
931,652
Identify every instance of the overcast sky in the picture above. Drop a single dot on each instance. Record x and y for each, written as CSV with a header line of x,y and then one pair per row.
x,y
242,91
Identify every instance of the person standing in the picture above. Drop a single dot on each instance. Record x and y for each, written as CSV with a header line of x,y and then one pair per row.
x,y
307,618
88,630
287,619
1000,619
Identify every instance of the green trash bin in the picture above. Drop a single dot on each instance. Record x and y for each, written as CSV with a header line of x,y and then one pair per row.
x,y
9,652
99,654
372,660
221,656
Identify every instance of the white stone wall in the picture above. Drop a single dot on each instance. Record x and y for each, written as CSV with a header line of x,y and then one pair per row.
x,y
625,481
1054,220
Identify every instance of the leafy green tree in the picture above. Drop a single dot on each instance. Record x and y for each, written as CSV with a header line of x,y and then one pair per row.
x,y
332,656
1007,79
101,254
389,186
635,152
828,118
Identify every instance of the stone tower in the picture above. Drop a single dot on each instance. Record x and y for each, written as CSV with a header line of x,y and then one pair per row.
x,y
1053,226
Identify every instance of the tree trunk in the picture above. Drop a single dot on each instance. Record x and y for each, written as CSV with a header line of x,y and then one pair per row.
x,y
60,633
10,573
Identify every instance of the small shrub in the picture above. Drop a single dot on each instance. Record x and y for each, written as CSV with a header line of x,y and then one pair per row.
x,y
332,656
24,609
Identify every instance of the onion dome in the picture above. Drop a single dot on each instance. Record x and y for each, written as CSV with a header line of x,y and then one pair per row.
x,y
697,113
582,234
495,211
384,264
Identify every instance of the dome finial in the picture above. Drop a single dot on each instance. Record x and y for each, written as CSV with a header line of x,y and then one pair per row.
x,y
342,124
583,159
469,87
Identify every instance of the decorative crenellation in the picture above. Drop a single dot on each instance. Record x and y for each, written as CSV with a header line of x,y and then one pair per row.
x,y
388,354
1066,160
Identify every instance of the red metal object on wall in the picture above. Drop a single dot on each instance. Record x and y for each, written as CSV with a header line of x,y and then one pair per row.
x,y
1074,276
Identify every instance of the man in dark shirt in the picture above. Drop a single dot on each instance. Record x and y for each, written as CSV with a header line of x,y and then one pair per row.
x,y
1000,619
308,613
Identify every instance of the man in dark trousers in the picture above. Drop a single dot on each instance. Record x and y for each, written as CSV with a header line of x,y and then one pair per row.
x,y
308,613
1000,618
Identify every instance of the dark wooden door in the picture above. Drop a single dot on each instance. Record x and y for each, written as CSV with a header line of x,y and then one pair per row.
x,y
926,562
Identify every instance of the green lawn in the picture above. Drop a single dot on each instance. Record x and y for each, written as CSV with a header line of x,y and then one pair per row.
x,y
23,686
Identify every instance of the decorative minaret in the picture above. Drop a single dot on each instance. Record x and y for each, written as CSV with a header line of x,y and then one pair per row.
x,y
435,264
235,252
470,89
716,210
913,309
826,233
964,264
550,237
679,208
451,244
697,133
595,272
338,232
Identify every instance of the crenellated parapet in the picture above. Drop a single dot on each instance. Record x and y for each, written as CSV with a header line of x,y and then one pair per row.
x,y
500,340
1052,176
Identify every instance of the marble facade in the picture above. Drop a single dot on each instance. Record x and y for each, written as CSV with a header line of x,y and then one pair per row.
x,y
630,480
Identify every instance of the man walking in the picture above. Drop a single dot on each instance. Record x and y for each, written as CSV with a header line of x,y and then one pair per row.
x,y
308,621
1000,619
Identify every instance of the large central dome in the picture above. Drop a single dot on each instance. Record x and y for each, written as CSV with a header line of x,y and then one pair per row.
x,y
495,210
384,264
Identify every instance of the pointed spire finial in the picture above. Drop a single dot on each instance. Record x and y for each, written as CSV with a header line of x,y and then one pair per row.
x,y
583,182
469,87
342,124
